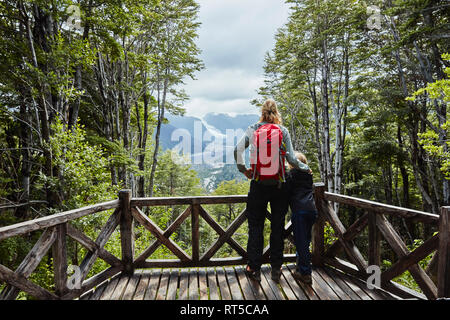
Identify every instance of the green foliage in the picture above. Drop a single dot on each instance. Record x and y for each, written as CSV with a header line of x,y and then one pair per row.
x,y
83,176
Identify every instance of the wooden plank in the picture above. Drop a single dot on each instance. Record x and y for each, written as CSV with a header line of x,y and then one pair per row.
x,y
223,285
381,208
184,285
321,287
142,285
131,286
20,282
167,233
98,291
265,271
236,293
443,278
286,289
120,288
212,284
86,296
109,290
173,285
340,293
193,285
169,201
159,234
350,283
93,281
203,284
373,293
53,220
267,288
213,262
256,288
163,284
307,289
153,284
296,289
31,261
342,284
244,284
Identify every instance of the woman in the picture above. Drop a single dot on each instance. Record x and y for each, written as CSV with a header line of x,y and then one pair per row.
x,y
270,143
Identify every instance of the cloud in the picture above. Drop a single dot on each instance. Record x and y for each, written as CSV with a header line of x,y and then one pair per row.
x,y
200,106
234,38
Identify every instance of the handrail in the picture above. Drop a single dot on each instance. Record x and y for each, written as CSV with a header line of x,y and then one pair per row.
x,y
54,219
380,207
128,211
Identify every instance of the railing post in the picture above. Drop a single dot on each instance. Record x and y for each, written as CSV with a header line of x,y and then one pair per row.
x,y
126,231
318,239
59,252
374,240
195,228
443,280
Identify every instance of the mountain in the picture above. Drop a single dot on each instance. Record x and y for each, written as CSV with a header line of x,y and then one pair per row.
x,y
208,143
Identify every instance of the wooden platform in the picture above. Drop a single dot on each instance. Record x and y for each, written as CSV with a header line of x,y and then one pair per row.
x,y
231,283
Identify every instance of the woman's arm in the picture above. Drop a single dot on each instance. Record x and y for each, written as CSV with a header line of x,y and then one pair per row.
x,y
290,154
239,150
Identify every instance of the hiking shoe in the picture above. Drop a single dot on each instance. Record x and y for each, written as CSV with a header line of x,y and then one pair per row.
x,y
305,278
276,274
253,274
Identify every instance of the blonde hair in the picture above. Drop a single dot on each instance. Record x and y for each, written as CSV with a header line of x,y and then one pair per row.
x,y
269,112
301,157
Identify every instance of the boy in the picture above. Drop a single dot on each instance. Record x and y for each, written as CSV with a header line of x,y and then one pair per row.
x,y
304,214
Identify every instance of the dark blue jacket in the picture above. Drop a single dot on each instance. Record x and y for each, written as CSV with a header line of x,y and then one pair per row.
x,y
300,188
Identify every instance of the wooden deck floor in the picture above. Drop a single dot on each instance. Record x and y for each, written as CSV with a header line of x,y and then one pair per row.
x,y
231,283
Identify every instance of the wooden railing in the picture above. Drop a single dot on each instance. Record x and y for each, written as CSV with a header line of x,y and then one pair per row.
x,y
128,211
375,218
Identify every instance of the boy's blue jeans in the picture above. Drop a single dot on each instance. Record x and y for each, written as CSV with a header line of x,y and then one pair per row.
x,y
302,222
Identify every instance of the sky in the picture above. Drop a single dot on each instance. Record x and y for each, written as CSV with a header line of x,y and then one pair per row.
x,y
234,37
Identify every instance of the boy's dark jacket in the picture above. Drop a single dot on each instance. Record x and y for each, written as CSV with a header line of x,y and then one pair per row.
x,y
300,188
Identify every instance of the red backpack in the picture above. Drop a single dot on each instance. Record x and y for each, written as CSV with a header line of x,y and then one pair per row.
x,y
268,156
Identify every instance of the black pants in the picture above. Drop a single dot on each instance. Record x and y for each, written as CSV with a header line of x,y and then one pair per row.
x,y
258,197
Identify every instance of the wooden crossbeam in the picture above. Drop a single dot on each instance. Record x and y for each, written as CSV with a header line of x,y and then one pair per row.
x,y
348,235
224,237
19,281
396,243
31,261
167,233
92,246
410,259
351,250
101,240
217,228
159,234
